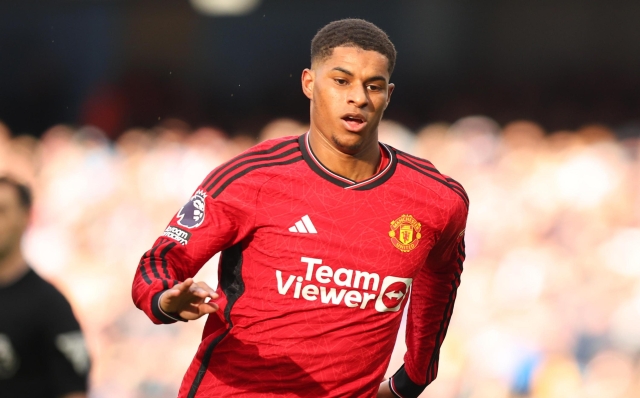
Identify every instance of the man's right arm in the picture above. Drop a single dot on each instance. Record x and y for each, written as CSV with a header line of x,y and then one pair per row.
x,y
201,228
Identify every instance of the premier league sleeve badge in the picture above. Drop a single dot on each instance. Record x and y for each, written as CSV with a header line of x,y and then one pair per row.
x,y
192,214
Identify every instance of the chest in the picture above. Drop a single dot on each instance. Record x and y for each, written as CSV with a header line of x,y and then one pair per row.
x,y
20,335
360,242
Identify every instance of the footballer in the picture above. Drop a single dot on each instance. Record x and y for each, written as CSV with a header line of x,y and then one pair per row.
x,y
325,238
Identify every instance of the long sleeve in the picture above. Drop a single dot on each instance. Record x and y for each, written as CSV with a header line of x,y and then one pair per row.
x,y
211,221
430,308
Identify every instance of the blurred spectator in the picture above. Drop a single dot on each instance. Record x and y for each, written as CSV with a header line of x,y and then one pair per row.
x,y
551,297
42,351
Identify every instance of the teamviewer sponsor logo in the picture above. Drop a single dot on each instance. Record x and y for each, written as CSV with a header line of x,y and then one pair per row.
x,y
392,293
357,289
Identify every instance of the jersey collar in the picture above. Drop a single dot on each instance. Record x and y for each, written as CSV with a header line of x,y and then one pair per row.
x,y
343,182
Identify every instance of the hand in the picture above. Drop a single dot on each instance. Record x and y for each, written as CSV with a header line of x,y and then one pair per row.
x,y
189,300
384,391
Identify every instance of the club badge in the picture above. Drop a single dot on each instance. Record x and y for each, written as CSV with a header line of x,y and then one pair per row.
x,y
405,233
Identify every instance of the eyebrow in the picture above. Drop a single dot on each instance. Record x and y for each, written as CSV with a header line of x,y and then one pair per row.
x,y
373,78
339,69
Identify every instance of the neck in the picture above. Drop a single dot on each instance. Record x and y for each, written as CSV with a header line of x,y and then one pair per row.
x,y
356,167
12,267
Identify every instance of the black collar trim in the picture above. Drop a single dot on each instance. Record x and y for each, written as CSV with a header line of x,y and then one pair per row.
x,y
343,182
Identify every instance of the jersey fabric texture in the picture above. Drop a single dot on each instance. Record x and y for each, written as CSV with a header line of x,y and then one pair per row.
x,y
42,352
314,274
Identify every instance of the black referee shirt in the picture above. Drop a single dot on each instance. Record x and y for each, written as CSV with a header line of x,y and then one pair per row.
x,y
42,351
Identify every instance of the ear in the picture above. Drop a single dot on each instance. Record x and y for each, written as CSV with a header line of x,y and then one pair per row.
x,y
308,77
391,86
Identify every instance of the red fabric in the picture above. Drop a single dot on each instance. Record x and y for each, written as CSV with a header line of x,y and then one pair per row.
x,y
283,338
384,160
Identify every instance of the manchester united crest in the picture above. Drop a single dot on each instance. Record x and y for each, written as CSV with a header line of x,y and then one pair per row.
x,y
405,233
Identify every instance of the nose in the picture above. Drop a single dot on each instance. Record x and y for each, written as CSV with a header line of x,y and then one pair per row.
x,y
358,96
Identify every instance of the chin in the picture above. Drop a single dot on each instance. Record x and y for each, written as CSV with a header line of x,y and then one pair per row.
x,y
348,145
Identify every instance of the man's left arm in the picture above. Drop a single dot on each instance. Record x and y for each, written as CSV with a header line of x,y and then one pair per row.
x,y
433,294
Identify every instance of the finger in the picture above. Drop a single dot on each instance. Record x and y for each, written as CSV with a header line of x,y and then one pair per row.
x,y
202,308
199,295
202,292
208,308
196,311
184,286
171,298
209,289
179,288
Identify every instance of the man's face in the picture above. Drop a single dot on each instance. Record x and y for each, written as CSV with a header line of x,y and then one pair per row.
x,y
349,92
13,219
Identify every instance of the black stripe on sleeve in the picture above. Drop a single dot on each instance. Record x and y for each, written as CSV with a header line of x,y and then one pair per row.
x,y
248,154
401,381
236,166
432,369
251,168
428,166
249,158
143,271
453,184
163,255
456,185
444,182
152,261
461,251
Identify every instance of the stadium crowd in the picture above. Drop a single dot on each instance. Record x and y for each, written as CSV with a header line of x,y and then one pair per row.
x,y
549,304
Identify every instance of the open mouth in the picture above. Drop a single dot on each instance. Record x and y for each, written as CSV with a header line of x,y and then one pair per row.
x,y
354,122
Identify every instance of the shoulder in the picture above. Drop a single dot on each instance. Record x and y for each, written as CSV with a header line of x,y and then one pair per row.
x,y
44,290
34,284
267,157
56,308
426,174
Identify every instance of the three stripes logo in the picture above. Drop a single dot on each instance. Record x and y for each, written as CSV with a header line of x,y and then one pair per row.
x,y
304,226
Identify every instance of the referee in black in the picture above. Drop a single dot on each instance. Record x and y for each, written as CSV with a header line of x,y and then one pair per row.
x,y
42,350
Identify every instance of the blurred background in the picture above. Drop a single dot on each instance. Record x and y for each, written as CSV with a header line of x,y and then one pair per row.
x,y
115,110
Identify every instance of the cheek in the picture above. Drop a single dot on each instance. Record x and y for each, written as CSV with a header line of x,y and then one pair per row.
x,y
7,233
380,104
326,103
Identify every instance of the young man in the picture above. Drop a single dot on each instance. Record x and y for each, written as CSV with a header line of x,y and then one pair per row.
x,y
42,351
323,237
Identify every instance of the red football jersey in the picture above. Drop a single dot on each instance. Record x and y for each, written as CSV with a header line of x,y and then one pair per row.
x,y
314,274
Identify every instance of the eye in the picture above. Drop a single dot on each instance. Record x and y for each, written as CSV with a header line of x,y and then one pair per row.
x,y
340,81
373,87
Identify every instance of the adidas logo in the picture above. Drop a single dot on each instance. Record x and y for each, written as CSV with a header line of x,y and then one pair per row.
x,y
304,226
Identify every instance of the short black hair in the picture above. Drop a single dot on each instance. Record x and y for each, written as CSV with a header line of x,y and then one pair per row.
x,y
24,193
355,33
